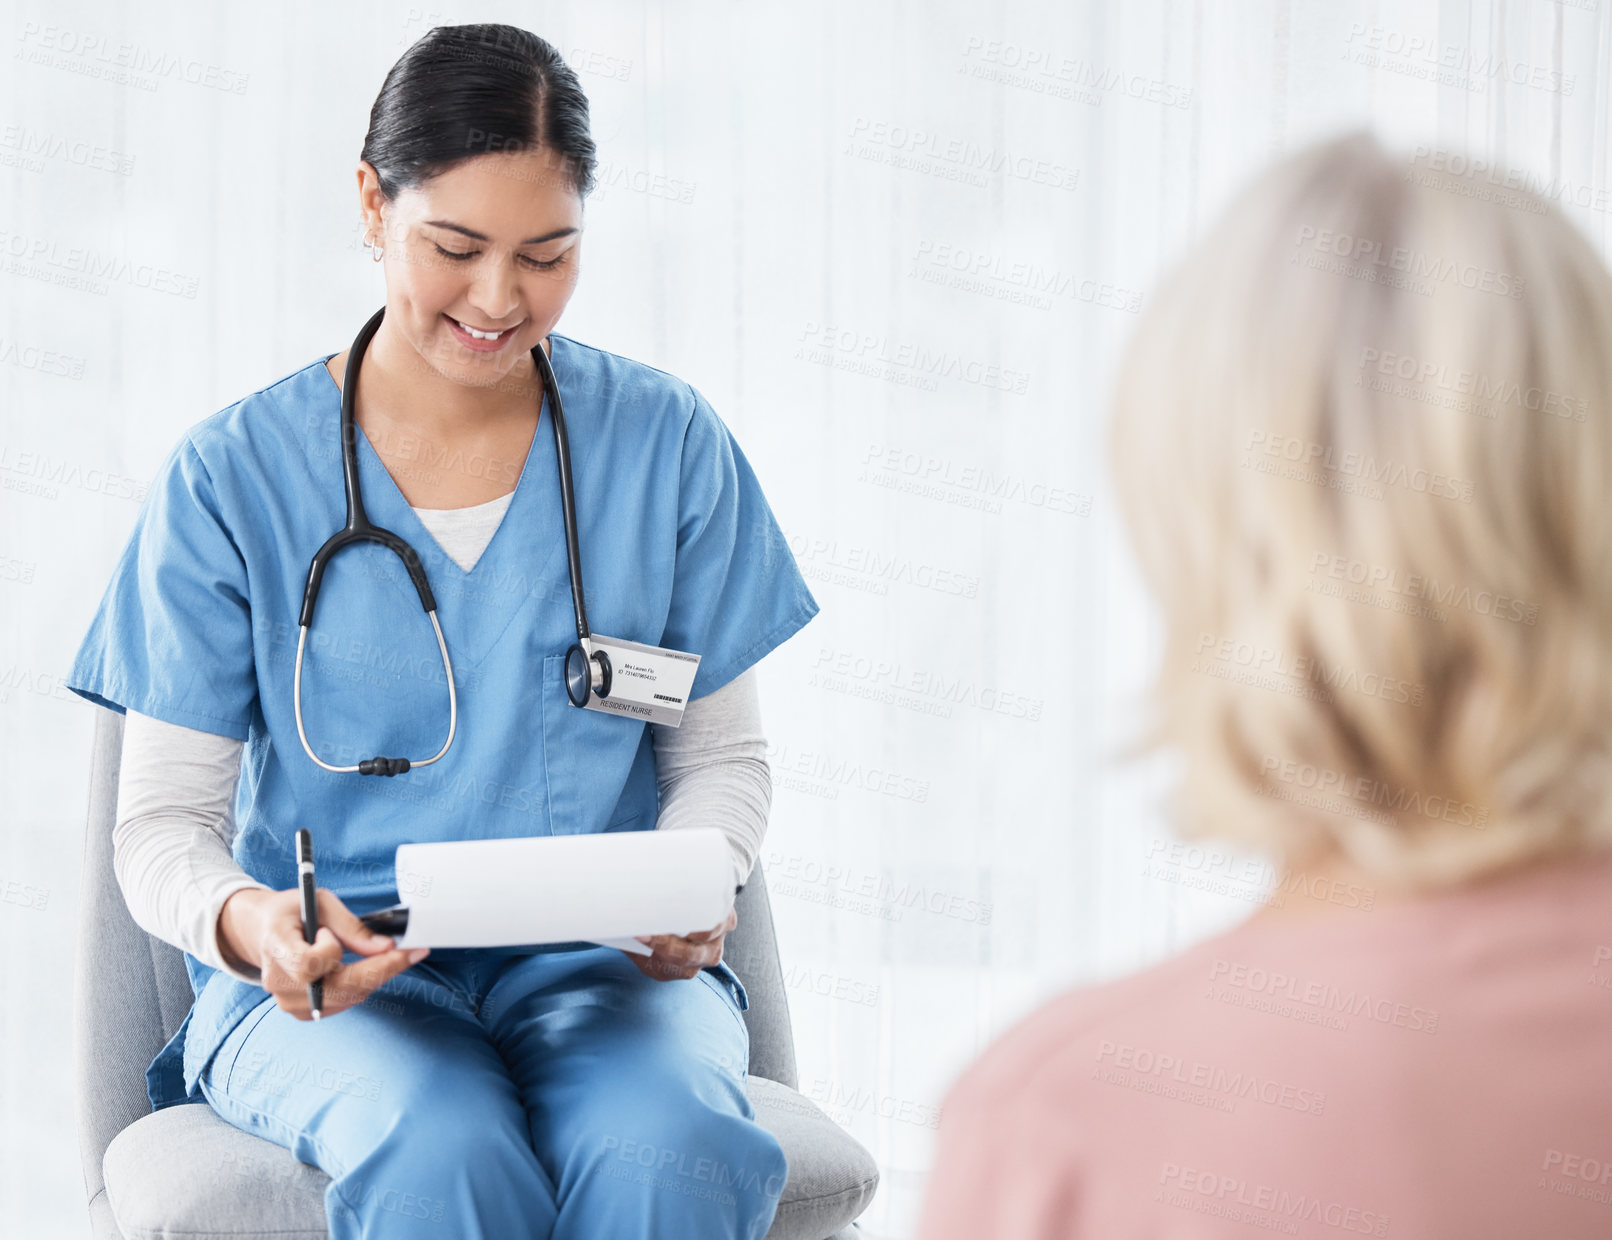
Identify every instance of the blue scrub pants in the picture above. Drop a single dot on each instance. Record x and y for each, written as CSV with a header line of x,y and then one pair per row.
x,y
485,1096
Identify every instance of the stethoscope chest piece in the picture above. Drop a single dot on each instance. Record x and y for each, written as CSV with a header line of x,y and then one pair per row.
x,y
586,675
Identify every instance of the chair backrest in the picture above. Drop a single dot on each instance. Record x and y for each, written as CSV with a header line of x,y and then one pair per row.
x,y
131,990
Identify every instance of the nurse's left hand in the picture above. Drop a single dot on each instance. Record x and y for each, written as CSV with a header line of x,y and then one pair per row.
x,y
676,956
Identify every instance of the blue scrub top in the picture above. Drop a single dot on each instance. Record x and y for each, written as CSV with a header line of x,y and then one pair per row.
x,y
199,627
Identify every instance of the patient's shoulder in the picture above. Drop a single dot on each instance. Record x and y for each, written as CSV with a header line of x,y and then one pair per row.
x,y
1054,1048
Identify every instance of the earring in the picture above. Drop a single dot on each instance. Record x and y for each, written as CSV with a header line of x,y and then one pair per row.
x,y
375,251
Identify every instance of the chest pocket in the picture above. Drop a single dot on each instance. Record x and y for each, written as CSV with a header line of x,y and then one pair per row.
x,y
589,758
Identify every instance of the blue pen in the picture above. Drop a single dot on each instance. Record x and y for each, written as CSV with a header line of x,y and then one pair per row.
x,y
310,911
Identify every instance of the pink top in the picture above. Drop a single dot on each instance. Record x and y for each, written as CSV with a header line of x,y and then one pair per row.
x,y
1438,1069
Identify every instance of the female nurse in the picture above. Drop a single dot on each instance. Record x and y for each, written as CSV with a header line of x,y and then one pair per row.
x,y
477,1093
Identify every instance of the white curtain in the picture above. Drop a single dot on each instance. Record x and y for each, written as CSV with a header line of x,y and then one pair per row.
x,y
898,246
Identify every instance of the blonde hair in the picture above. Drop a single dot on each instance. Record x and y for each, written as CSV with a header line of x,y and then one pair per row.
x,y
1362,445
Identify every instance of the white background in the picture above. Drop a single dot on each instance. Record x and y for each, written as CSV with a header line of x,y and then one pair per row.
x,y
832,219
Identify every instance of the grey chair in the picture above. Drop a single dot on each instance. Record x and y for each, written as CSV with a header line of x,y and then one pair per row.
x,y
183,1171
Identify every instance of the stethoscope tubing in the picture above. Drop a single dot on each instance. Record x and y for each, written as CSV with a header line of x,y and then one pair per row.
x,y
359,528
562,450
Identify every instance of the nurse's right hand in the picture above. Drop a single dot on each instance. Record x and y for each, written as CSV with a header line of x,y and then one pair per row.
x,y
264,930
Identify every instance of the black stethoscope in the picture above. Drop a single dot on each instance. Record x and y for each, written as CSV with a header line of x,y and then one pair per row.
x,y
587,671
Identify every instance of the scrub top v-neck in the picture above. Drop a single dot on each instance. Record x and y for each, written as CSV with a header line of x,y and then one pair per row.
x,y
198,627
388,507
541,428
467,531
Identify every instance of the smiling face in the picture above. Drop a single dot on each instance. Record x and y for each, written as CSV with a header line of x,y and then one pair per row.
x,y
480,260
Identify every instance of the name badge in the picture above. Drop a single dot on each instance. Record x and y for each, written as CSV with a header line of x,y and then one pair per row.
x,y
646,682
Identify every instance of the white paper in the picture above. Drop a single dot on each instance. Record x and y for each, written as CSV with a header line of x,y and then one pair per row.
x,y
564,888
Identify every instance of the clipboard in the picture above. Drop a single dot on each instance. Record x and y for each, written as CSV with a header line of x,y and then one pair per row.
x,y
602,888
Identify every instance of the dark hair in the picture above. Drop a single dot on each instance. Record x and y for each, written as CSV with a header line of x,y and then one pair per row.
x,y
463,91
